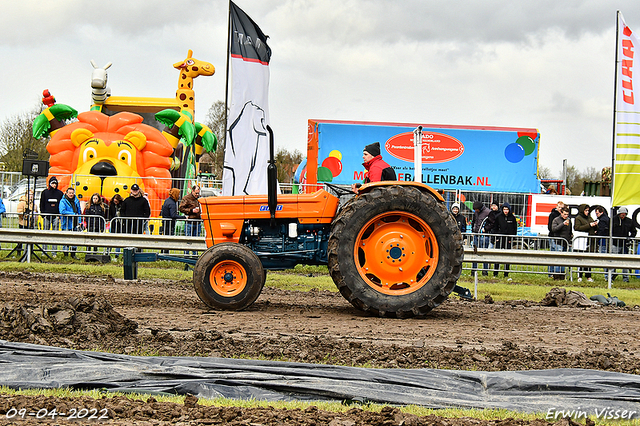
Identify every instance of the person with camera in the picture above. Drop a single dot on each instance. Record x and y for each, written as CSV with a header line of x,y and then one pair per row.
x,y
602,219
27,215
561,228
557,210
586,225
27,211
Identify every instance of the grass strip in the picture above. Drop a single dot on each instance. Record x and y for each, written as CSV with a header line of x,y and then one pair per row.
x,y
334,407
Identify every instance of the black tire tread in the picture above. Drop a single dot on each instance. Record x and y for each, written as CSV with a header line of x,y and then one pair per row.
x,y
256,276
396,198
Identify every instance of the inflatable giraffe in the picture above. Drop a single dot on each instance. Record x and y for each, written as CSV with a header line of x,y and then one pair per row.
x,y
181,125
190,68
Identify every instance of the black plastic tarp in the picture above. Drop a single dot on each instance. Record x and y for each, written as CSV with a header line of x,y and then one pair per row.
x,y
535,391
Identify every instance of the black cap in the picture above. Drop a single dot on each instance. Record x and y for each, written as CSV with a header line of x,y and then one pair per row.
x,y
373,149
135,187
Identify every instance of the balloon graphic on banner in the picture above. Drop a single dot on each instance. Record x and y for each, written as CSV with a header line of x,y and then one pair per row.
x,y
514,152
335,153
527,144
330,168
324,175
334,164
523,146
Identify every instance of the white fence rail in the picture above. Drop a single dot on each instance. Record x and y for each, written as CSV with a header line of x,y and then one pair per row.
x,y
173,242
105,239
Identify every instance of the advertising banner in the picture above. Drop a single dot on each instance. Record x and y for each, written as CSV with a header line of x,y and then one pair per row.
x,y
627,138
465,158
247,144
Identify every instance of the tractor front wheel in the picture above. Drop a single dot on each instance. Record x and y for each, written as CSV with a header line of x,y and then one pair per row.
x,y
228,276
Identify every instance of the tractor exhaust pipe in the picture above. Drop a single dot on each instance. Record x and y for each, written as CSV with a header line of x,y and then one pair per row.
x,y
272,179
417,154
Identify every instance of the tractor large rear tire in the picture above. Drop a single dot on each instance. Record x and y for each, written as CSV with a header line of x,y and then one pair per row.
x,y
395,252
228,276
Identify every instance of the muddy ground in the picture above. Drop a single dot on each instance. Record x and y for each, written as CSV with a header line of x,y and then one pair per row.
x,y
166,318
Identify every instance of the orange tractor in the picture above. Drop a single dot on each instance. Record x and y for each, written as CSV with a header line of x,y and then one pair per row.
x,y
393,250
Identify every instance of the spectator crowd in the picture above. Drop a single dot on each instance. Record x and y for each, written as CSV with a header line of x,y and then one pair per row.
x,y
492,226
496,226
63,211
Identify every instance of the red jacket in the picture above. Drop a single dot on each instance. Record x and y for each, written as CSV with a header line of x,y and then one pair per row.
x,y
378,170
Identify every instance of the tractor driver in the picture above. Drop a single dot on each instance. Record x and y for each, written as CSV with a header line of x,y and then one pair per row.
x,y
377,168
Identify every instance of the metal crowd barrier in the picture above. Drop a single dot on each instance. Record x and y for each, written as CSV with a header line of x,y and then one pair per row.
x,y
96,223
584,255
36,241
530,256
546,258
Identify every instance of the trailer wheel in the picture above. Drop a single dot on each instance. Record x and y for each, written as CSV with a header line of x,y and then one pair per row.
x,y
228,276
395,252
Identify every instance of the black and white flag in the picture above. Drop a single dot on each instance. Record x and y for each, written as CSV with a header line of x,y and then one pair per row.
x,y
247,144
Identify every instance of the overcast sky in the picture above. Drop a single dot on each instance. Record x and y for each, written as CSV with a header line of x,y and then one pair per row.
x,y
545,64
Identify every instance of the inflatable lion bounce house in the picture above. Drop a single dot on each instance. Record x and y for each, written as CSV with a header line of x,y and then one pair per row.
x,y
117,143
107,154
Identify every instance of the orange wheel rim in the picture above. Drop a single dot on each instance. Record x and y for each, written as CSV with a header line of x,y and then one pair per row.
x,y
396,253
228,278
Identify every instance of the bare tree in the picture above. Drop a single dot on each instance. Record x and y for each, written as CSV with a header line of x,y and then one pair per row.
x,y
576,179
574,184
287,163
215,121
591,174
545,173
16,139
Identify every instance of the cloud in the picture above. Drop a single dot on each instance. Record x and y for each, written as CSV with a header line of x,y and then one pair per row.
x,y
544,64
494,21
31,22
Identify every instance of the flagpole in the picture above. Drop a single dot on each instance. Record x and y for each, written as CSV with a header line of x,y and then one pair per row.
x,y
615,105
613,145
226,87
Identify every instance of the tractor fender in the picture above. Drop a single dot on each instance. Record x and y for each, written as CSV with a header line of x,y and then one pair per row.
x,y
367,187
